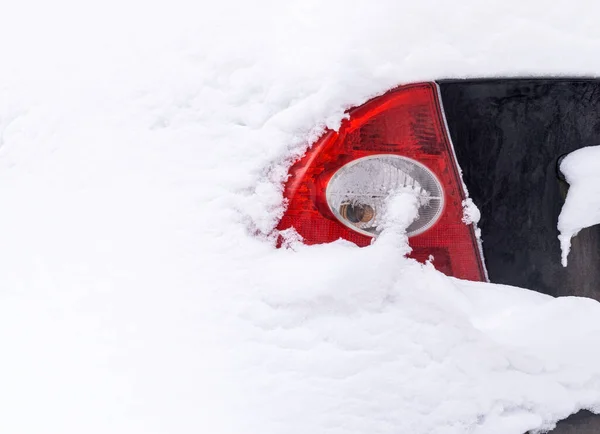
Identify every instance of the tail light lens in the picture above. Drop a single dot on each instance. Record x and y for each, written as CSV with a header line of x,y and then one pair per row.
x,y
356,193
397,140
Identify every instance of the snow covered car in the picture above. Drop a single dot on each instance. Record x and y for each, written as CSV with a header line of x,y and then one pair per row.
x,y
496,142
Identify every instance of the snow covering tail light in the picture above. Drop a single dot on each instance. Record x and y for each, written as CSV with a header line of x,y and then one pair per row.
x,y
399,138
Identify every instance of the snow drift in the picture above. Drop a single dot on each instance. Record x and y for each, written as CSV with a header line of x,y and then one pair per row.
x,y
142,151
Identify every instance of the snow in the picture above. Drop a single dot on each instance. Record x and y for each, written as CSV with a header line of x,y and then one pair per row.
x,y
471,214
582,204
142,150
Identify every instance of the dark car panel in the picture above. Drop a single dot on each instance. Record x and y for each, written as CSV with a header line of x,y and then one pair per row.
x,y
508,135
583,422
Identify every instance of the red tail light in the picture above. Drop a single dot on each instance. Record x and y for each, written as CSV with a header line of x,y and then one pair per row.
x,y
403,128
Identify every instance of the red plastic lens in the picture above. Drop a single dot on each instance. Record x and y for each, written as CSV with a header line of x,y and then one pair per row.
x,y
408,122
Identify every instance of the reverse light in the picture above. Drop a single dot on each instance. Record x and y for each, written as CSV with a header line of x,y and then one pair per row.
x,y
357,192
394,141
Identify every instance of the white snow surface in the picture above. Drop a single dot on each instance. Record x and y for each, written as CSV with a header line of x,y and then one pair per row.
x,y
471,214
142,150
581,209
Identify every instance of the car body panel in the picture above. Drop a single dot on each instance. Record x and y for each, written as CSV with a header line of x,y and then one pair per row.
x,y
508,135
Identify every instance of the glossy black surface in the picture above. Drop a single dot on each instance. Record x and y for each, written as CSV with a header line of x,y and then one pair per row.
x,y
508,135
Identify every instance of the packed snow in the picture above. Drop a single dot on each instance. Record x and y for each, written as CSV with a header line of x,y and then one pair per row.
x,y
143,146
471,214
581,209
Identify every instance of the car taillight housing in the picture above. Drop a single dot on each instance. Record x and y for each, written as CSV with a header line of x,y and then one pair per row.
x,y
396,140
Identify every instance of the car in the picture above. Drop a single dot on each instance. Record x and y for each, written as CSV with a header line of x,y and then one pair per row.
x,y
497,142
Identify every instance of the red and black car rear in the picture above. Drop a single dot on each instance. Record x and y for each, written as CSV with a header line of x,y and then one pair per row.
x,y
497,140
502,138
